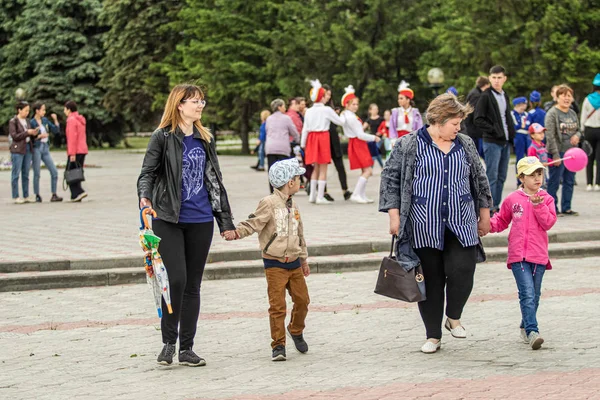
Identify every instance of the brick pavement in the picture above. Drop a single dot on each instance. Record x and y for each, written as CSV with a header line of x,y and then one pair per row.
x,y
101,343
104,226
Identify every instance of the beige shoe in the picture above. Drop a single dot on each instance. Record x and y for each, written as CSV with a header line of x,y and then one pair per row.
x,y
29,199
459,332
430,347
19,200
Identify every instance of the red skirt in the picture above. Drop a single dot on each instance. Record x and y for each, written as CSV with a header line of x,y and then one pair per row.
x,y
318,148
402,133
359,154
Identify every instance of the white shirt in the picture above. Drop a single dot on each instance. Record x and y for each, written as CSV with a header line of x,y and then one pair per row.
x,y
586,110
353,128
501,100
401,124
318,118
24,124
42,131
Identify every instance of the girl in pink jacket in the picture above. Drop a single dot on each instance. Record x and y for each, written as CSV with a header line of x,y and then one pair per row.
x,y
532,213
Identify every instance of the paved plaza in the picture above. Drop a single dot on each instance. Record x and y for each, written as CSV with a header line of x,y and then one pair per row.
x,y
102,343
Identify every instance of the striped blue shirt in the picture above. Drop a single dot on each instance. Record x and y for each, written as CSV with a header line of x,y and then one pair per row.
x,y
441,195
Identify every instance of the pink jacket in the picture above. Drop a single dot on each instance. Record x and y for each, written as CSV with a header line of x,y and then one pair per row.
x,y
76,138
528,237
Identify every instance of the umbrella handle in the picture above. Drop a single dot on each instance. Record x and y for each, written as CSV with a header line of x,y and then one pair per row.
x,y
144,217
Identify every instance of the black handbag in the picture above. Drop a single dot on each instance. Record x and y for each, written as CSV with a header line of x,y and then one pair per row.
x,y
395,282
73,175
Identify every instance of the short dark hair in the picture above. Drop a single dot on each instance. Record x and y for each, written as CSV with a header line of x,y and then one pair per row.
x,y
292,100
21,105
36,106
497,69
300,99
71,106
482,81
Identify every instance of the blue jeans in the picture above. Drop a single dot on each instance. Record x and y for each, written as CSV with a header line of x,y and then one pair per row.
x,y
568,181
42,153
522,143
21,163
261,155
496,163
529,282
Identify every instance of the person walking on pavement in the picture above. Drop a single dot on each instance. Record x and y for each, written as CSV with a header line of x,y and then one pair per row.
x,y
281,131
262,137
562,133
337,155
435,191
493,119
537,115
181,180
77,147
21,152
372,123
406,117
42,151
590,126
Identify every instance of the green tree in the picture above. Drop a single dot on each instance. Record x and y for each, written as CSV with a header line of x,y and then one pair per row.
x,y
139,36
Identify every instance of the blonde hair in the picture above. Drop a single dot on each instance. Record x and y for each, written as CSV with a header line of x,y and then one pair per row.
x,y
445,107
264,114
172,117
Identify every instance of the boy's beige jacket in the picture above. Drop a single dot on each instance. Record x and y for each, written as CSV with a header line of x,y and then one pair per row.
x,y
279,226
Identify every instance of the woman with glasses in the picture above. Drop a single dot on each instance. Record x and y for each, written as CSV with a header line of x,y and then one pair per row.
x,y
182,182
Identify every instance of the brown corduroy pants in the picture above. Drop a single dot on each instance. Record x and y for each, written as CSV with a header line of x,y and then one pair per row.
x,y
278,280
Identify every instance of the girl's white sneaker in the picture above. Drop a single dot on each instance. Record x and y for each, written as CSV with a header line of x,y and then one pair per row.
x,y
357,199
589,188
596,188
430,347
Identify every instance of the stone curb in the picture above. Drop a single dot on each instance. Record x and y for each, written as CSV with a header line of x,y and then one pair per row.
x,y
241,255
120,276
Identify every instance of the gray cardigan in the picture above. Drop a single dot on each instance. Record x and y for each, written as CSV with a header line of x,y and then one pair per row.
x,y
397,183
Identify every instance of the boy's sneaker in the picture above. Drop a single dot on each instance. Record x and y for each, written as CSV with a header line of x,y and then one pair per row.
x,y
278,353
166,355
299,342
535,340
524,336
191,359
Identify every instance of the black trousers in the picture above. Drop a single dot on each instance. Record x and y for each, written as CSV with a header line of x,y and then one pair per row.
x,y
592,135
76,188
451,269
272,159
184,249
341,170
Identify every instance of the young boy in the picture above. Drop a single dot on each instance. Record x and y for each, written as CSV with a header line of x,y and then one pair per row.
x,y
280,233
521,123
538,148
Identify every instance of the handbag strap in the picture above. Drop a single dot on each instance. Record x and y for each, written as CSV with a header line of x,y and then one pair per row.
x,y
393,242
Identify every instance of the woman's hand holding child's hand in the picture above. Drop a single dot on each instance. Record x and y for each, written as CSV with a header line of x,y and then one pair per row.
x,y
230,235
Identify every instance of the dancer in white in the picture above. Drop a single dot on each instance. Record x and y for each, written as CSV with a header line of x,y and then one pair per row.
x,y
315,140
358,150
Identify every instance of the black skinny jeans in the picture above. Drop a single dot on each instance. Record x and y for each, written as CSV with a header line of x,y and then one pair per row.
x,y
184,249
592,135
451,269
76,188
272,159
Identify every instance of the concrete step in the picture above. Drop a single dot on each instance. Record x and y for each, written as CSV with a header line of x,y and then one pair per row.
x,y
36,280
489,241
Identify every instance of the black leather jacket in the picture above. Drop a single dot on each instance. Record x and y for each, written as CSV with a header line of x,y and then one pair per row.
x,y
160,179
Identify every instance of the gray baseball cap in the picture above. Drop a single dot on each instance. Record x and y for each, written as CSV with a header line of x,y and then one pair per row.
x,y
284,171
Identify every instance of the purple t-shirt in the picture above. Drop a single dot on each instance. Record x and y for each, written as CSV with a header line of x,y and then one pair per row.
x,y
195,205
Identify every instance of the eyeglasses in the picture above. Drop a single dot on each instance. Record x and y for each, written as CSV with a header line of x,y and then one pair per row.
x,y
201,103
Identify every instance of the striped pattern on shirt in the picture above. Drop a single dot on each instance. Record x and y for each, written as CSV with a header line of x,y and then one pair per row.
x,y
441,196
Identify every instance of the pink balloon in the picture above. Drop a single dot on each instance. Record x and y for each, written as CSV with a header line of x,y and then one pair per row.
x,y
575,159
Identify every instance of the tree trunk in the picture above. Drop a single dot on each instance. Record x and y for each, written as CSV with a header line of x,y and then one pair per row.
x,y
244,125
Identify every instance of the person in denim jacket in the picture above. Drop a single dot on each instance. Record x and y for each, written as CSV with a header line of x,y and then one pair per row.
x,y
42,150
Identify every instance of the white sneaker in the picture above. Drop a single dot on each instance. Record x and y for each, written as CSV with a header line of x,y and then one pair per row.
x,y
29,199
535,340
357,199
19,200
459,332
323,200
596,188
368,200
588,188
79,198
430,347
524,336
312,200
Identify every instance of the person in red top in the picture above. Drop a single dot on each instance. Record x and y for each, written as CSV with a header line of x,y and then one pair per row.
x,y
292,112
76,146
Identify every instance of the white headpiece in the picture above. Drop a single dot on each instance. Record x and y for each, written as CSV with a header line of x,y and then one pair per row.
x,y
403,85
314,93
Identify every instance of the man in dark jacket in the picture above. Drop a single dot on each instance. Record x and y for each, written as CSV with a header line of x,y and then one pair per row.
x,y
493,119
481,85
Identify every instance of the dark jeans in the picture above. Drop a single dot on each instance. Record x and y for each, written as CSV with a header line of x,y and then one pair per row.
x,y
341,170
272,159
522,143
558,173
184,249
529,282
76,188
451,269
496,158
592,135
